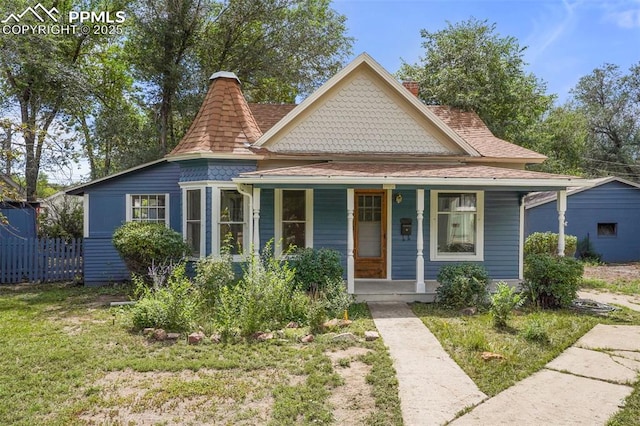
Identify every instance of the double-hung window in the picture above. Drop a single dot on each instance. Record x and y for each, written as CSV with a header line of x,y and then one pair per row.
x,y
232,221
457,225
294,219
193,220
150,208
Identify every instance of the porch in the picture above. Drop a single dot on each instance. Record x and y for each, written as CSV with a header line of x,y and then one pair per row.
x,y
379,290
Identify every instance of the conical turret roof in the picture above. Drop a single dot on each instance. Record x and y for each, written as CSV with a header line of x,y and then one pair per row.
x,y
224,126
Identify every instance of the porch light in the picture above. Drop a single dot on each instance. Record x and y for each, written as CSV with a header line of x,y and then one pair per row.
x,y
398,198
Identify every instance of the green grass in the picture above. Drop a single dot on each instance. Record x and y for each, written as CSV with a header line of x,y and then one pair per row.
x,y
628,287
531,340
65,359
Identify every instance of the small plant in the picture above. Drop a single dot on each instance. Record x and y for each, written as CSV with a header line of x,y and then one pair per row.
x,y
586,253
462,285
315,267
534,331
551,281
503,302
142,245
316,316
213,273
172,307
337,299
547,243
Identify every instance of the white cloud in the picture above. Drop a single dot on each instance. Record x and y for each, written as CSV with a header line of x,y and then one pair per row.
x,y
626,19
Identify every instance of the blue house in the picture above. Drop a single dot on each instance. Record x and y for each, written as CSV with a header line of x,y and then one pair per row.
x,y
18,218
361,166
606,214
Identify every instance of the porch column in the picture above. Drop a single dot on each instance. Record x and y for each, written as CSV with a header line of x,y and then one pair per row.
x,y
351,286
256,221
562,208
420,287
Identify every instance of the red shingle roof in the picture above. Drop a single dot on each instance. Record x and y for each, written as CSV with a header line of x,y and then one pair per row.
x,y
267,115
404,170
224,124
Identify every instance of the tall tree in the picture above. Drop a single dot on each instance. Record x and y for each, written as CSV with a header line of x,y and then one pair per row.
x,y
610,101
469,66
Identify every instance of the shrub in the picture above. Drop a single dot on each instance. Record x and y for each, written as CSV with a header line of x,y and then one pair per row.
x,y
213,273
172,307
315,267
337,300
586,252
62,219
141,245
547,242
503,302
461,285
552,281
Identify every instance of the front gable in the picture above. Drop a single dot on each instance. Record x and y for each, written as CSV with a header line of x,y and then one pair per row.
x,y
364,110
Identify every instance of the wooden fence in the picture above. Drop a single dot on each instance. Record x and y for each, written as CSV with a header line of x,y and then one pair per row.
x,y
39,260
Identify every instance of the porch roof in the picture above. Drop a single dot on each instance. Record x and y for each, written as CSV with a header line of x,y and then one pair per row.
x,y
409,174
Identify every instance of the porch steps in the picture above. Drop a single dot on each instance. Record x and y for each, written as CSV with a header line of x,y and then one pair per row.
x,y
371,290
396,297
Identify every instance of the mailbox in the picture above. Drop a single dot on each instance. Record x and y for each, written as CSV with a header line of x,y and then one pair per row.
x,y
405,227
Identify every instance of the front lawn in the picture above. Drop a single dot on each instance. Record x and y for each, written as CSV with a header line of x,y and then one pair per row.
x,y
67,358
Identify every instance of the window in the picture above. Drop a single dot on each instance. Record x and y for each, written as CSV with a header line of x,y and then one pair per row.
x,y
152,208
193,221
294,218
232,220
607,229
457,229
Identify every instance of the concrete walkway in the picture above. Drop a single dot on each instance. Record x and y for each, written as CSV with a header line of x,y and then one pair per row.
x,y
631,302
432,387
585,385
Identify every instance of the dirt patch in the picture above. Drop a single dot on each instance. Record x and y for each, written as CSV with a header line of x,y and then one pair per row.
x,y
353,402
186,397
613,272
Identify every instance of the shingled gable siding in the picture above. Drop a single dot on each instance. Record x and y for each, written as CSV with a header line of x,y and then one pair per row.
x,y
612,202
107,201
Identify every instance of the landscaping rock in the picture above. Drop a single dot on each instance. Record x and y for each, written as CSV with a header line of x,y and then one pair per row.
x,y
487,356
344,323
196,338
308,338
331,323
159,334
215,338
147,331
264,336
173,336
472,310
345,337
370,336
293,324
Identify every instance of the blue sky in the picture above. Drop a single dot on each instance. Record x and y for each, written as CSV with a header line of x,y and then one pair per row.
x,y
565,40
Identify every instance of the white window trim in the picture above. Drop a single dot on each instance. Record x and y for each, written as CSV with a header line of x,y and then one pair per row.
x,y
203,218
433,229
308,230
215,218
167,206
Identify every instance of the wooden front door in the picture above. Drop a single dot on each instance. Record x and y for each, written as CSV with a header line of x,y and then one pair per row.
x,y
370,222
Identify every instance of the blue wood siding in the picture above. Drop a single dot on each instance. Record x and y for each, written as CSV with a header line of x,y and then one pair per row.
x,y
330,221
404,250
219,170
613,202
107,211
501,237
267,212
21,219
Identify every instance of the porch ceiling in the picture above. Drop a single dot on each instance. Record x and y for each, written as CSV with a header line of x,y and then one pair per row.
x,y
410,174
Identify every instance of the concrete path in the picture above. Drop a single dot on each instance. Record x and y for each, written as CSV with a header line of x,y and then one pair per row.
x,y
432,387
631,302
585,385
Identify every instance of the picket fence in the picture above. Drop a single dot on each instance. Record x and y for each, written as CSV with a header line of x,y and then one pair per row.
x,y
39,260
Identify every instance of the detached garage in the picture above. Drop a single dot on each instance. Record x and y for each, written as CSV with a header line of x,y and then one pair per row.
x,y
608,214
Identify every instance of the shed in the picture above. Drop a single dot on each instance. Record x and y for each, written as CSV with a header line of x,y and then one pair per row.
x,y
607,214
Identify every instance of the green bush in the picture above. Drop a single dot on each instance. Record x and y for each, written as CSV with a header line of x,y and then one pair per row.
x,y
315,267
551,281
462,285
547,242
337,300
213,273
503,301
173,307
141,245
586,252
